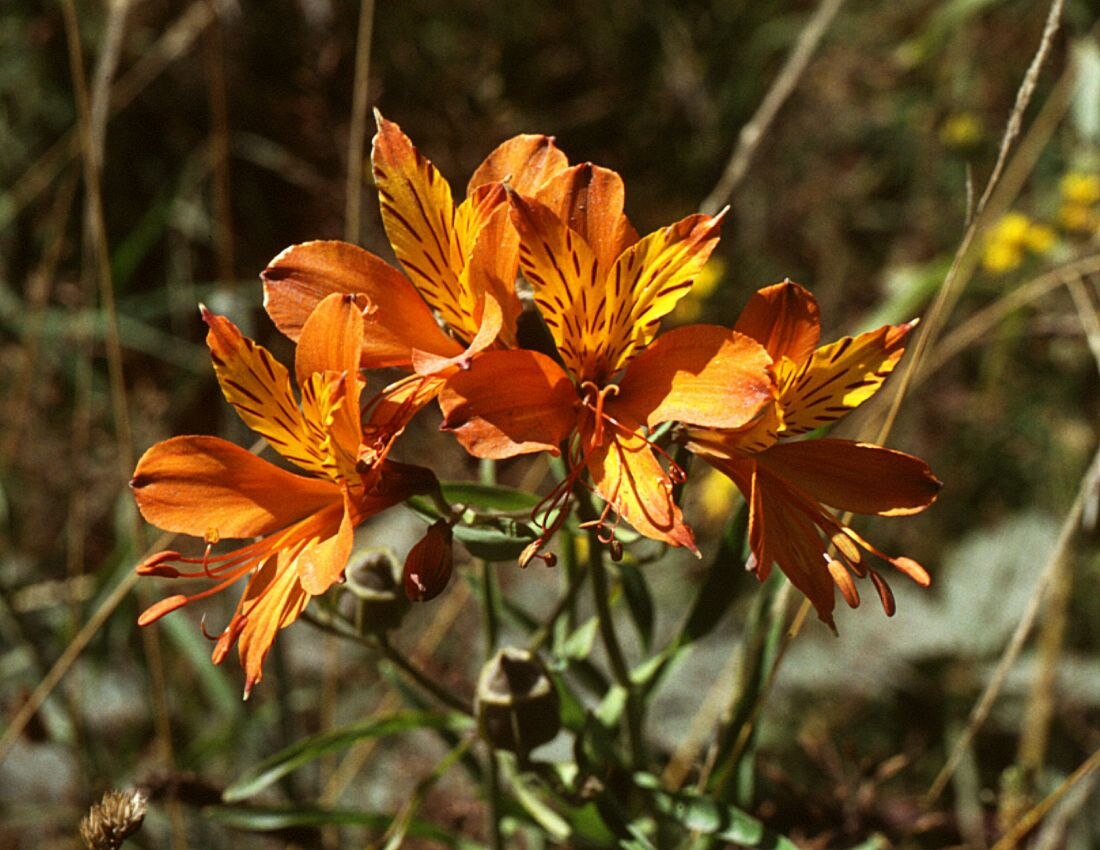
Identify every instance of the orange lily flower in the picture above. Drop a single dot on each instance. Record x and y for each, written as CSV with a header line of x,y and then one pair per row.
x,y
460,261
602,292
211,488
787,484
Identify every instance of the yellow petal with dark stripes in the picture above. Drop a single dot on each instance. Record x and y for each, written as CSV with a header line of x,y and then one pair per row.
x,y
258,387
418,213
648,280
838,377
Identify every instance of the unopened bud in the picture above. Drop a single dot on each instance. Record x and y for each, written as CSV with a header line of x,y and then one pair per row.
x,y
373,598
113,819
429,564
517,706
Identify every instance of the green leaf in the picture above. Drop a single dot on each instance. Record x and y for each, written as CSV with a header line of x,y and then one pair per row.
x,y
496,526
315,746
270,819
579,644
639,601
707,817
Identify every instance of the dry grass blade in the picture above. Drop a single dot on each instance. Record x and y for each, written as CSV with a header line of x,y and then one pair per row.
x,y
964,262
219,145
980,712
357,134
169,47
1031,819
752,134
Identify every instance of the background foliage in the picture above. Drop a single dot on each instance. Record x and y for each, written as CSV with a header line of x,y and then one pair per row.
x,y
226,140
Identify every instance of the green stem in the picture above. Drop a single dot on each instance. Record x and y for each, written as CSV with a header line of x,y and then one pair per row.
x,y
562,619
602,597
490,606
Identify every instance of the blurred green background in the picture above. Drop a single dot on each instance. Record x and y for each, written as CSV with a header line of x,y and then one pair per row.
x,y
224,129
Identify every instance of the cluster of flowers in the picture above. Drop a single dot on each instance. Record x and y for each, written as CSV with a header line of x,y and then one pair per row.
x,y
583,373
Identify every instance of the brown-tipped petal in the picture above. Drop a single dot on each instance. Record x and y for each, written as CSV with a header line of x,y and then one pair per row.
x,y
228,637
397,321
858,477
509,403
702,375
158,609
192,485
272,601
429,564
912,569
785,319
885,594
589,199
525,162
843,580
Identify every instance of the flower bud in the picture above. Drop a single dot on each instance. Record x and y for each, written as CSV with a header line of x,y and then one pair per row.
x,y
373,599
517,705
430,563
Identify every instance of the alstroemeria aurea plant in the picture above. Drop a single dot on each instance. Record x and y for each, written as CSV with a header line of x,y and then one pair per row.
x,y
210,488
460,261
602,292
787,483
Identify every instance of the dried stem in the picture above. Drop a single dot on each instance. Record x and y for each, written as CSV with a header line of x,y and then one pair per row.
x,y
357,133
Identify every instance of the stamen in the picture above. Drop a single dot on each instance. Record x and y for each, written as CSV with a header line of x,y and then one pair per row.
x,y
884,593
843,580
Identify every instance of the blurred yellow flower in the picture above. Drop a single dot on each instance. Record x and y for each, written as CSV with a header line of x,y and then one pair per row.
x,y
1079,218
1011,239
690,307
1081,188
716,495
961,130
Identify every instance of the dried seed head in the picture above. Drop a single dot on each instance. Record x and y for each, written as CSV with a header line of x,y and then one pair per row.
x,y
113,819
517,705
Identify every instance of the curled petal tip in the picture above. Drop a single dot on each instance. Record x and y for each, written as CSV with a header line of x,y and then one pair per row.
x,y
204,311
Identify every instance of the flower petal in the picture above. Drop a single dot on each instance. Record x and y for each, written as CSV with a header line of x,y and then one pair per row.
x,y
397,321
323,560
628,477
524,161
569,285
489,327
589,199
258,387
784,318
857,477
699,375
208,487
272,601
838,377
509,403
649,278
419,216
491,269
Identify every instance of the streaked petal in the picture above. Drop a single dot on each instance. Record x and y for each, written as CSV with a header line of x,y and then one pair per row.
x,y
857,477
509,403
524,161
628,477
208,487
699,375
397,320
838,377
258,387
784,318
418,214
568,283
388,413
589,199
647,280
492,266
272,601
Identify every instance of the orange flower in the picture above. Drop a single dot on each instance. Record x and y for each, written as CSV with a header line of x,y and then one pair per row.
x,y
786,484
460,261
210,488
602,292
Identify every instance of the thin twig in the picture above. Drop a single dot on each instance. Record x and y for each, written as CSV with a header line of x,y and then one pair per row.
x,y
219,146
980,712
752,134
357,132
